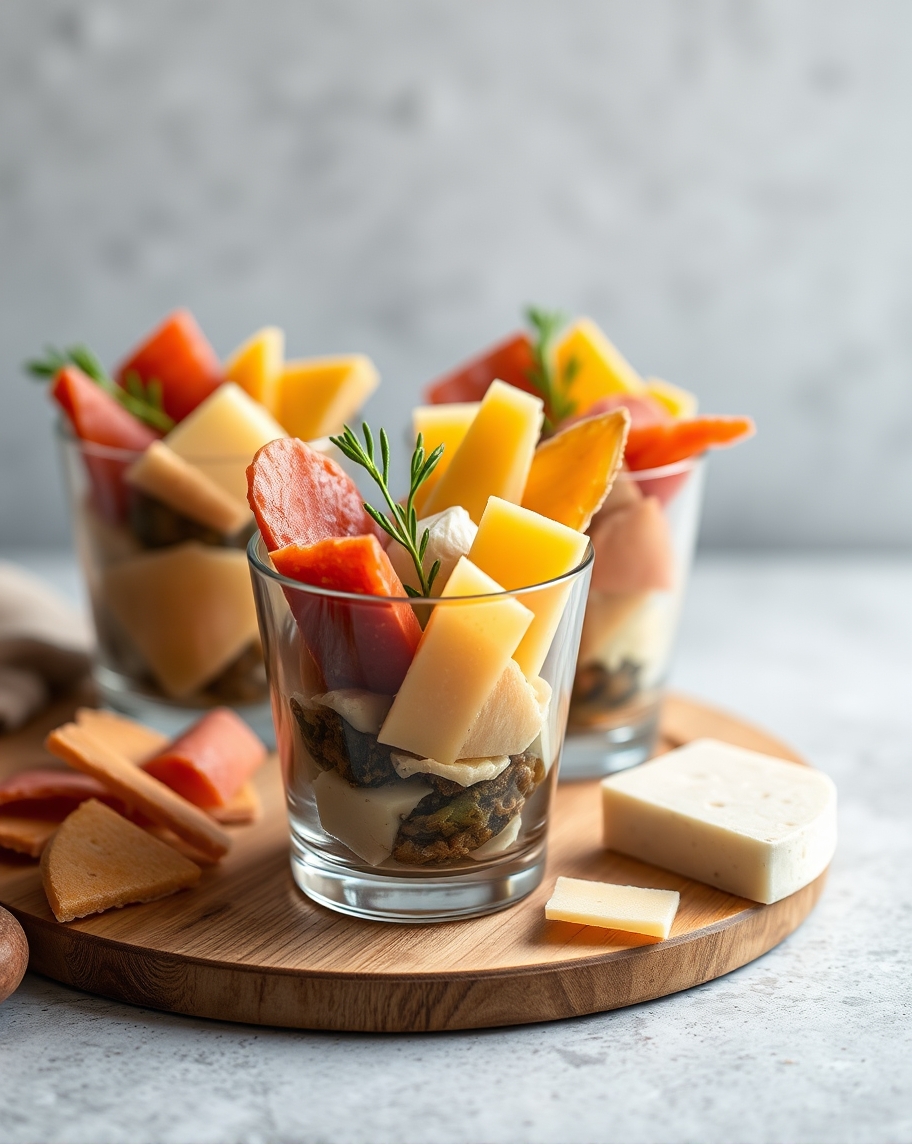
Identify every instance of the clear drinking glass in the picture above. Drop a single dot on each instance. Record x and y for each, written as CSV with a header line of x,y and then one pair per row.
x,y
171,599
644,538
374,832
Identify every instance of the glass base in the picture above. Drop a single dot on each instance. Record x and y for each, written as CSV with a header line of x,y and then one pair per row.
x,y
592,754
426,898
171,718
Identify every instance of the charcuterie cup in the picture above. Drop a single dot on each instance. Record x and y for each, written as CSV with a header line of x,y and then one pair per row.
x,y
418,785
171,600
644,538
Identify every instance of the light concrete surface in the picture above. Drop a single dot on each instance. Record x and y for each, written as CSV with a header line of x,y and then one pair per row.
x,y
811,1043
724,186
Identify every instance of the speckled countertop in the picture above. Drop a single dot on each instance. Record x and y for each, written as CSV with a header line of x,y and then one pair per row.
x,y
812,1042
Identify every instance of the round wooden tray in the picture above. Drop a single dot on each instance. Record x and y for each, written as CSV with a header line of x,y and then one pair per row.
x,y
246,945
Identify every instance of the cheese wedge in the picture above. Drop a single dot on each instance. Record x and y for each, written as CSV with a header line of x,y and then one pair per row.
x,y
365,819
511,718
188,609
221,436
462,655
165,475
315,397
444,425
256,364
518,548
98,860
599,370
632,909
747,823
495,455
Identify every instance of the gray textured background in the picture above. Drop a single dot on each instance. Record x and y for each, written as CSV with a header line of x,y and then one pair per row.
x,y
724,186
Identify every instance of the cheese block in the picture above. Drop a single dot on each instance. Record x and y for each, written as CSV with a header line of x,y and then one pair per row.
x,y
256,364
165,475
444,425
363,710
511,717
495,455
747,823
315,397
451,534
518,548
365,819
632,909
500,842
462,654
221,436
188,609
467,772
98,860
600,370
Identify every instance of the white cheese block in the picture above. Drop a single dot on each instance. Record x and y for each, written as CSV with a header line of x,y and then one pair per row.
x,y
467,772
500,842
632,909
165,475
363,710
511,718
365,819
450,535
747,823
222,434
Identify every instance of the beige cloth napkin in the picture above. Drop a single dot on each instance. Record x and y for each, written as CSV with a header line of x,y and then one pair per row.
x,y
45,645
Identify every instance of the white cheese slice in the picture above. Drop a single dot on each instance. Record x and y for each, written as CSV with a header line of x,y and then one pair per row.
x,y
222,434
500,842
365,819
451,534
747,823
363,710
632,909
164,474
511,718
466,772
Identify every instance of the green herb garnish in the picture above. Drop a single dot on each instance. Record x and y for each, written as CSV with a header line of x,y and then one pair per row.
x,y
143,401
402,521
554,390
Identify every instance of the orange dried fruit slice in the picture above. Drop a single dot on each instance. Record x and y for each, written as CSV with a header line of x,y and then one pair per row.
x,y
573,471
98,860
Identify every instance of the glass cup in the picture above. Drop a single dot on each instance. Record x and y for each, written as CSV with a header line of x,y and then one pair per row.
x,y
378,829
644,538
175,620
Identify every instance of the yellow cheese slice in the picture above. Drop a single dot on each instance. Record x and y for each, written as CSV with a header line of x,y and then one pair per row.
x,y
495,455
632,909
165,475
679,402
462,655
600,370
222,434
188,609
518,548
317,396
444,425
256,364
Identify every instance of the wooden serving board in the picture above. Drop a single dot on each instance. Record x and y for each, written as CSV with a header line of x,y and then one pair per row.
x,y
246,945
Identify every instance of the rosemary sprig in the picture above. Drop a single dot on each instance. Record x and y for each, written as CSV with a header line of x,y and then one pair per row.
x,y
554,390
143,401
402,521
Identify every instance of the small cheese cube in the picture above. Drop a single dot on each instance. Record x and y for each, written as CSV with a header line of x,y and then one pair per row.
x,y
600,369
747,823
495,455
315,397
463,652
365,819
222,434
444,425
518,548
257,363
632,909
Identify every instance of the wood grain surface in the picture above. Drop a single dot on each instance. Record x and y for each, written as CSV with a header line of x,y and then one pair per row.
x,y
246,945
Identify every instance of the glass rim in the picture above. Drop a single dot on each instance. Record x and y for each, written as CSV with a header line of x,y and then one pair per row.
x,y
670,470
261,568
